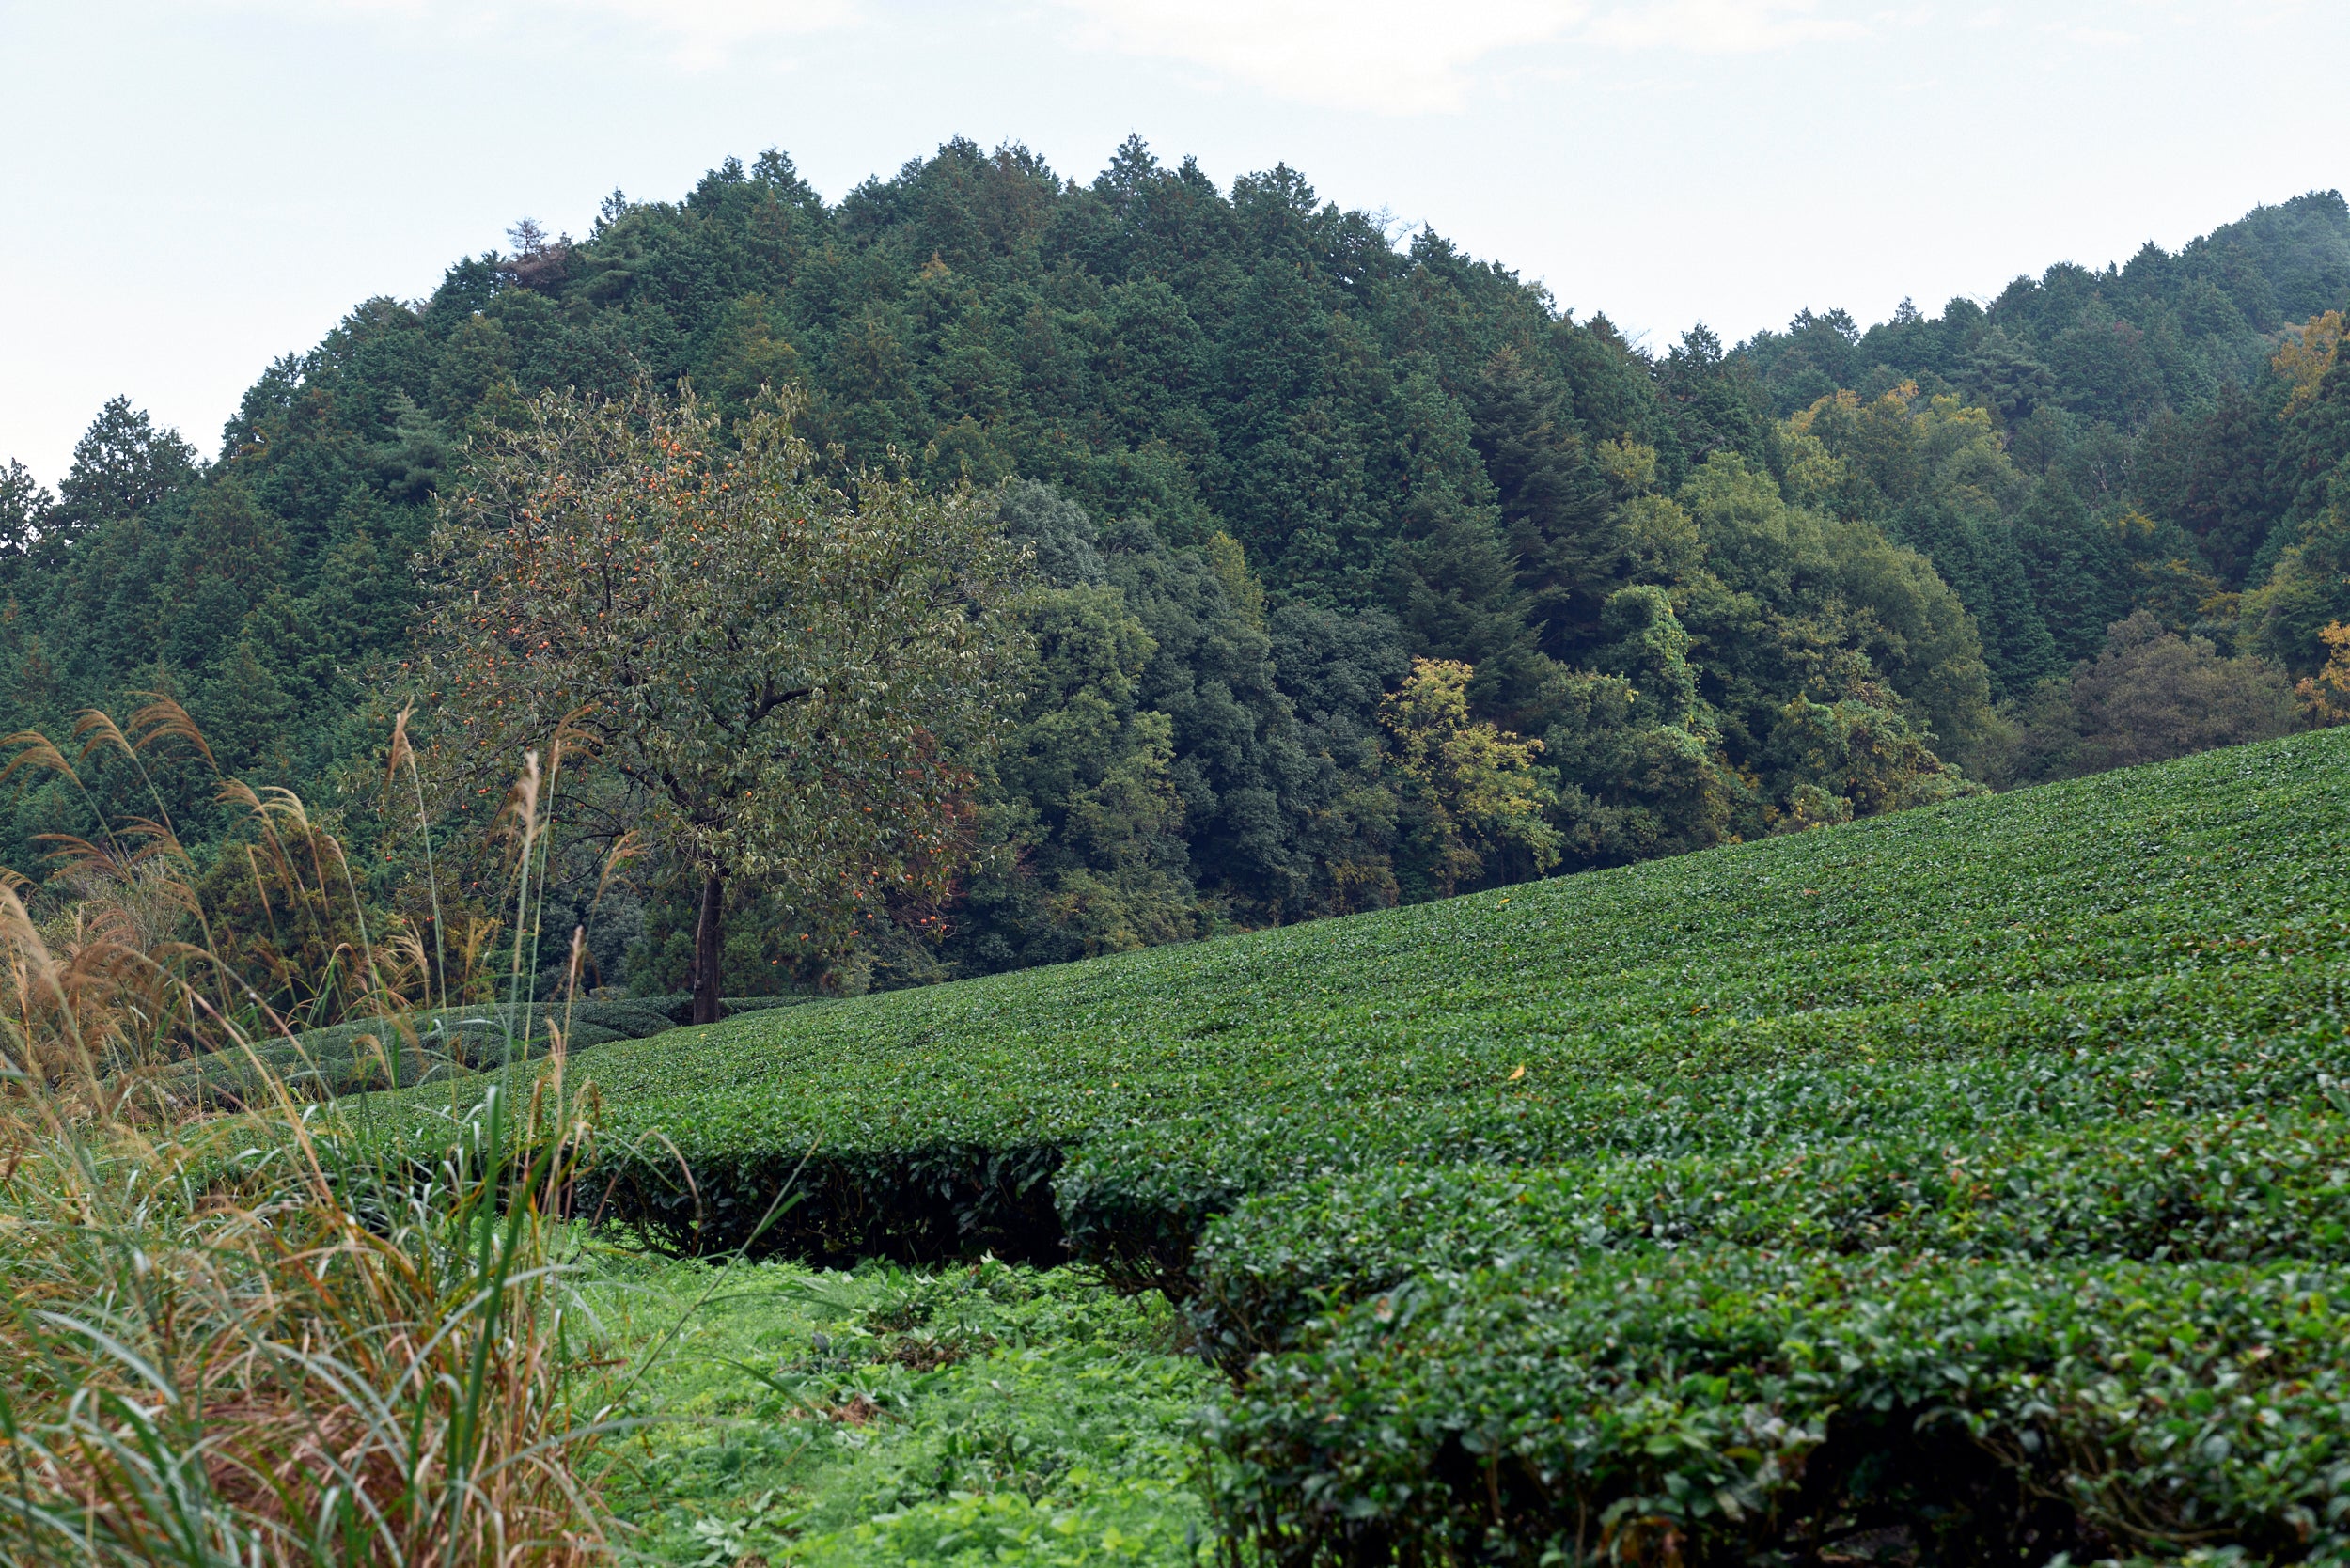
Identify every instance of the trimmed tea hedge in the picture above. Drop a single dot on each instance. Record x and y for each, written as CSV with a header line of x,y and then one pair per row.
x,y
2239,1187
1736,1404
1136,1197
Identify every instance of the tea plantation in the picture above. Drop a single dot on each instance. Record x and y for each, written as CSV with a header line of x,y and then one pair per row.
x,y
1971,1185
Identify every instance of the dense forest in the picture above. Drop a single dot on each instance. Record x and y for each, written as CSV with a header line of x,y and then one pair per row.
x,y
1358,573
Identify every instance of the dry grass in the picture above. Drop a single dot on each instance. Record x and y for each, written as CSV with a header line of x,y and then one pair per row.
x,y
241,1341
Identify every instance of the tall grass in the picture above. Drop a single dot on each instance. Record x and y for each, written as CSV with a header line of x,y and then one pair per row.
x,y
258,1338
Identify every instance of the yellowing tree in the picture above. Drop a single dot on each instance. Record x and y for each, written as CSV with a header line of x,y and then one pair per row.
x,y
1859,459
2326,694
1474,800
792,681
2307,356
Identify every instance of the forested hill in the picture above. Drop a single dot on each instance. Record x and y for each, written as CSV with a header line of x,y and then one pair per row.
x,y
1268,459
2146,391
2164,332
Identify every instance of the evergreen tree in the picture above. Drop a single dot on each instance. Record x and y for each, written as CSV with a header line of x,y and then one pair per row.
x,y
25,509
1556,507
123,467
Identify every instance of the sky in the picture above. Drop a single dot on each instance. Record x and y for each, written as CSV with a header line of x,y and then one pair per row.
x,y
190,190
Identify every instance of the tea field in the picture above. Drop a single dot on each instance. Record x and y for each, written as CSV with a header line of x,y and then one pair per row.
x,y
1970,1185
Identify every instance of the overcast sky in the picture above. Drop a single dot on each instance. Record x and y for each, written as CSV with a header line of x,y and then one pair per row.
x,y
192,189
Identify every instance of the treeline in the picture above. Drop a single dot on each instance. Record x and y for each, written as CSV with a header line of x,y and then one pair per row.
x,y
2177,404
1361,573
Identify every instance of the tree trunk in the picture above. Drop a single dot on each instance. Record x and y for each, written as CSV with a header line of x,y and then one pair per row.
x,y
709,932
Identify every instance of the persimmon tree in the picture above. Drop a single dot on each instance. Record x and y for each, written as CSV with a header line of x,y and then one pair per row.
x,y
792,680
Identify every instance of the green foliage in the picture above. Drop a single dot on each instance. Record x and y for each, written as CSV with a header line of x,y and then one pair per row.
x,y
789,678
2310,477
1975,1174
1721,1403
2158,940
1083,821
1934,470
192,1301
1793,610
1470,793
988,1415
1268,415
24,506
2113,343
2247,1188
1966,1185
426,1048
2153,436
1140,1196
2149,695
123,466
1262,407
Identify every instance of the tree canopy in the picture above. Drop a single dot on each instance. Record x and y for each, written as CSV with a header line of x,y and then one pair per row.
x,y
794,681
1263,459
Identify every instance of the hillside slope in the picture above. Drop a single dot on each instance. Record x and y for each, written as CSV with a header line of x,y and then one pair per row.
x,y
2162,940
1971,1185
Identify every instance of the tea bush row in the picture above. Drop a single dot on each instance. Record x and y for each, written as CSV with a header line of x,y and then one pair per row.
x,y
1127,1174
2239,1187
1740,1405
1136,1197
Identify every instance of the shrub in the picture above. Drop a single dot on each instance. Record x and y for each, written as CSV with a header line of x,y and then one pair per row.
x,y
1721,1405
287,1354
384,1053
252,1339
1979,1175
2239,1187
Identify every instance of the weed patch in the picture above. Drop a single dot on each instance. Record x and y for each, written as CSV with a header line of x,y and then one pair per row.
x,y
986,1414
